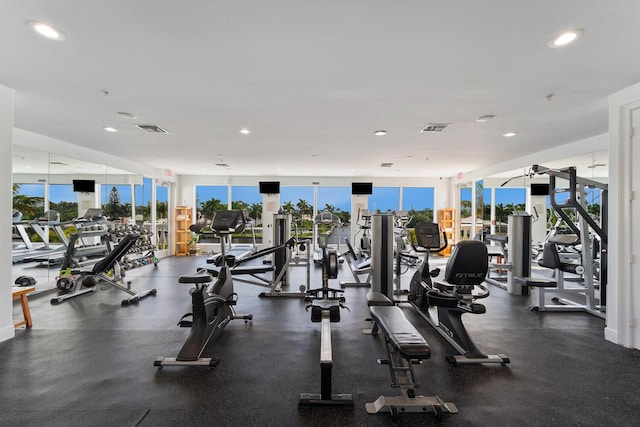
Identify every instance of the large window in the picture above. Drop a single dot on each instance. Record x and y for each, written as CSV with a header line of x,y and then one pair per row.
x,y
298,201
64,200
116,201
384,199
248,198
142,197
508,201
162,216
28,199
465,213
419,203
336,200
209,200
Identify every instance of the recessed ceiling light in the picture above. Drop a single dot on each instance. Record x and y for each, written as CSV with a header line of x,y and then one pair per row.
x,y
125,115
110,129
484,119
245,131
46,30
566,38
509,134
380,132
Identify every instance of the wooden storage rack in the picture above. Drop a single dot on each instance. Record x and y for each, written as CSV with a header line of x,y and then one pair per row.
x,y
182,221
447,221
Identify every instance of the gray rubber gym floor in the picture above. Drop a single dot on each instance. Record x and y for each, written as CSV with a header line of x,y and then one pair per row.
x,y
89,362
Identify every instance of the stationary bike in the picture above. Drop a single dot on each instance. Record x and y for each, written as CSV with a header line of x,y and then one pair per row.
x,y
443,303
212,308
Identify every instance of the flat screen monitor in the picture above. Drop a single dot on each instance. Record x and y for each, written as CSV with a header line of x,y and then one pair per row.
x,y
361,188
84,186
539,189
269,187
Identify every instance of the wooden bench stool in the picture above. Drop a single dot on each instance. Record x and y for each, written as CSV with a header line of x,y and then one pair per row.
x,y
21,293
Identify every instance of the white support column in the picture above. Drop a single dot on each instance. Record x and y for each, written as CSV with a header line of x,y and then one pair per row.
x,y
270,206
6,155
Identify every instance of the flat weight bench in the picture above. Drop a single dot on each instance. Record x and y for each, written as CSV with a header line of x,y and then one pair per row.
x,y
405,346
21,294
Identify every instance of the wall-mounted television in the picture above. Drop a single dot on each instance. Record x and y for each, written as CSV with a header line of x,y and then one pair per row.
x,y
361,188
84,186
539,189
269,187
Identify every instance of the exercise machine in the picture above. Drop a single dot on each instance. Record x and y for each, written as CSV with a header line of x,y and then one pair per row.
x,y
240,251
443,303
325,307
75,282
279,267
405,347
386,261
27,251
515,250
326,223
403,248
213,308
569,203
358,265
364,247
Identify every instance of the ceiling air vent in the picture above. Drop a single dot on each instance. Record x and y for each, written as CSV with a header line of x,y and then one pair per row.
x,y
435,127
386,165
152,128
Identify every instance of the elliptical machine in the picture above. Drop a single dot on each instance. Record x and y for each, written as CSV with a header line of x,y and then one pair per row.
x,y
213,308
443,303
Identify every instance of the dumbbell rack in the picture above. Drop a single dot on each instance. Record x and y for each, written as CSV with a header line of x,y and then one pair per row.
x,y
140,254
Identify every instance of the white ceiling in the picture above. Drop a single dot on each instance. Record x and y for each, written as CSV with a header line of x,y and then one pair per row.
x,y
313,80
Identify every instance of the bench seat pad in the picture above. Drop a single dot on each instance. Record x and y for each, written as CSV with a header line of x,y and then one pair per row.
x,y
400,333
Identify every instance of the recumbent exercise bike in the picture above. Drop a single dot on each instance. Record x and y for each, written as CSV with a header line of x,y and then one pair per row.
x,y
443,303
212,308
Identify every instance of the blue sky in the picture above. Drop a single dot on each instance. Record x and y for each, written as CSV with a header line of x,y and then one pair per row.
x,y
383,198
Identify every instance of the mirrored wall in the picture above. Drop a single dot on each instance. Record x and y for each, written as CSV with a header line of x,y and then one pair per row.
x,y
69,212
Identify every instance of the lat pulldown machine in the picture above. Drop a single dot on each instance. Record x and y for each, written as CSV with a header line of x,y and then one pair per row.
x,y
572,199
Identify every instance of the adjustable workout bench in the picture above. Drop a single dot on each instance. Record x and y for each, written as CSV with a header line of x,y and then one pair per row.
x,y
405,347
99,272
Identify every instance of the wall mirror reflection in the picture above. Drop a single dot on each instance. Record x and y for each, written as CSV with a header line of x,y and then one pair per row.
x,y
71,213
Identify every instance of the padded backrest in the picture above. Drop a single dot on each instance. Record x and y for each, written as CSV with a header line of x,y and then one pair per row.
x,y
468,264
550,257
107,262
350,248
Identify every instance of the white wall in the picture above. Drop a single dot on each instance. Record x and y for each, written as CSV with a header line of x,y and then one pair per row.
x,y
6,150
623,307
